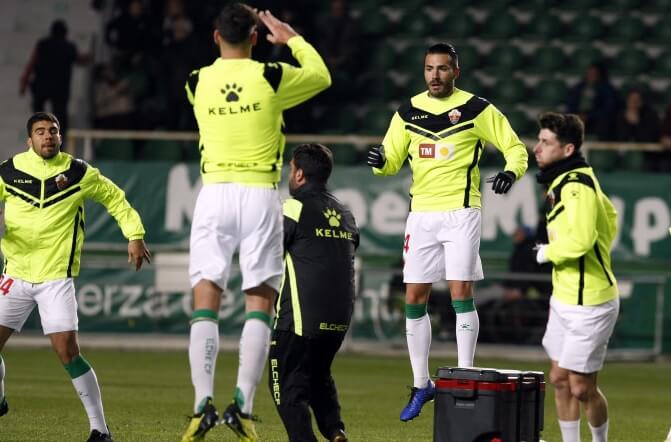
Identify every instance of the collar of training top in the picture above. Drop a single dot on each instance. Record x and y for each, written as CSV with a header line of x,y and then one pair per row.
x,y
547,175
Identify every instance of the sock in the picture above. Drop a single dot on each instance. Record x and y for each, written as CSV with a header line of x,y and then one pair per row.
x,y
600,433
2,378
203,350
86,385
467,329
418,336
570,430
254,345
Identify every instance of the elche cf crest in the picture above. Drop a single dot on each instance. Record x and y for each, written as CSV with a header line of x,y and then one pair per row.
x,y
62,181
454,115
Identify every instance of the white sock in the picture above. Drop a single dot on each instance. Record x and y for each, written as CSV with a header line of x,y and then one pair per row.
x,y
254,345
418,336
2,378
203,349
570,430
468,327
600,433
87,387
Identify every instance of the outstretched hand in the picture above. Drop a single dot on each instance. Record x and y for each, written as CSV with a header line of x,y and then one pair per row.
x,y
137,253
279,32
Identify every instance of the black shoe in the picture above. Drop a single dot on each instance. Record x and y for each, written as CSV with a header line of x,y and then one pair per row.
x,y
4,407
242,424
201,423
97,436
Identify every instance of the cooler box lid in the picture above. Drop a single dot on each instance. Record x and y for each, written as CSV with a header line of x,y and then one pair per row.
x,y
478,374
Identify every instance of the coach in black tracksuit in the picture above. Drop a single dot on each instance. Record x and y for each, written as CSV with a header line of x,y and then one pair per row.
x,y
316,299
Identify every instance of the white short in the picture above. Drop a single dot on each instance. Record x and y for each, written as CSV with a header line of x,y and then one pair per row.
x,y
229,216
442,245
55,300
577,335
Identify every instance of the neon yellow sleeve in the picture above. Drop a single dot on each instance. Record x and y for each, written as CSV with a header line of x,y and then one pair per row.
x,y
494,127
102,190
577,232
300,83
396,143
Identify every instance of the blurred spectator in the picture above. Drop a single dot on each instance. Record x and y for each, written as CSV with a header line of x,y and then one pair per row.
x,y
113,101
180,57
49,71
638,121
131,32
596,101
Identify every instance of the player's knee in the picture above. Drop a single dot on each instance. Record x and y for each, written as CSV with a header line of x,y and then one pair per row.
x,y
559,378
67,354
580,391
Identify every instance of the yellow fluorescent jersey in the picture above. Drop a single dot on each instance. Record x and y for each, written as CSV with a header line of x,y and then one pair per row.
x,y
443,139
44,214
238,104
581,225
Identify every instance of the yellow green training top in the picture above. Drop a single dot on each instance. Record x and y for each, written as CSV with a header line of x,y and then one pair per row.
x,y
581,226
443,140
44,213
238,104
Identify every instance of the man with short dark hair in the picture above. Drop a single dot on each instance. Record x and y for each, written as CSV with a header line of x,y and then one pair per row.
x,y
581,226
44,192
316,300
238,104
442,133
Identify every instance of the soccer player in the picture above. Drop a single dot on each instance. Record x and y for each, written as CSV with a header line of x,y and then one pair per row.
x,y
581,225
442,133
238,104
44,192
316,299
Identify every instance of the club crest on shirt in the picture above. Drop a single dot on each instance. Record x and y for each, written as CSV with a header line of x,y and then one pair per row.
x,y
454,115
62,181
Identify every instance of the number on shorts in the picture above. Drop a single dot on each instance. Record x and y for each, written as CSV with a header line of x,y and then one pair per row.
x,y
5,284
406,243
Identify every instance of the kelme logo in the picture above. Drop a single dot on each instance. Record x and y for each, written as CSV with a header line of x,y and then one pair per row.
x,y
333,217
231,92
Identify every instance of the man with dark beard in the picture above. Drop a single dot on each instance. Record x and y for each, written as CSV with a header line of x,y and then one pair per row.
x,y
442,133
316,299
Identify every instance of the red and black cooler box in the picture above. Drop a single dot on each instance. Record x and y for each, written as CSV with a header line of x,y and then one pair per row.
x,y
487,404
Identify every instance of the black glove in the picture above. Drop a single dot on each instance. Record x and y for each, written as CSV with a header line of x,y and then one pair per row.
x,y
376,157
502,182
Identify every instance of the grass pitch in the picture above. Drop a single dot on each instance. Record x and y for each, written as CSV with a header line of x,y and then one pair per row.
x,y
148,394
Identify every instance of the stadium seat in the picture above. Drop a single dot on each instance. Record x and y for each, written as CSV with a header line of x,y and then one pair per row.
x,y
470,83
509,90
544,26
660,32
549,93
376,121
547,60
662,65
122,150
656,6
584,28
622,6
581,58
417,24
580,5
469,58
504,59
630,61
456,26
500,25
162,150
520,123
384,57
626,29
375,23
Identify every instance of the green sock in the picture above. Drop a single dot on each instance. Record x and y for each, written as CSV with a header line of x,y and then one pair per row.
x,y
77,366
463,306
415,311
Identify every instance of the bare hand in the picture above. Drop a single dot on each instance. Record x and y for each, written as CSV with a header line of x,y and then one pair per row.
x,y
137,253
279,31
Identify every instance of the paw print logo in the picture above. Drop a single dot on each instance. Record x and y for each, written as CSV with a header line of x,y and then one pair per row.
x,y
231,91
333,217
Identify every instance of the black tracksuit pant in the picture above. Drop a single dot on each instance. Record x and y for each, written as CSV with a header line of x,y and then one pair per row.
x,y
300,379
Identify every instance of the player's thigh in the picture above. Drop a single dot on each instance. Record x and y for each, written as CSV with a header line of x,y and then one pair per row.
x,y
423,254
261,239
214,234
288,375
553,339
460,236
57,304
16,302
589,329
